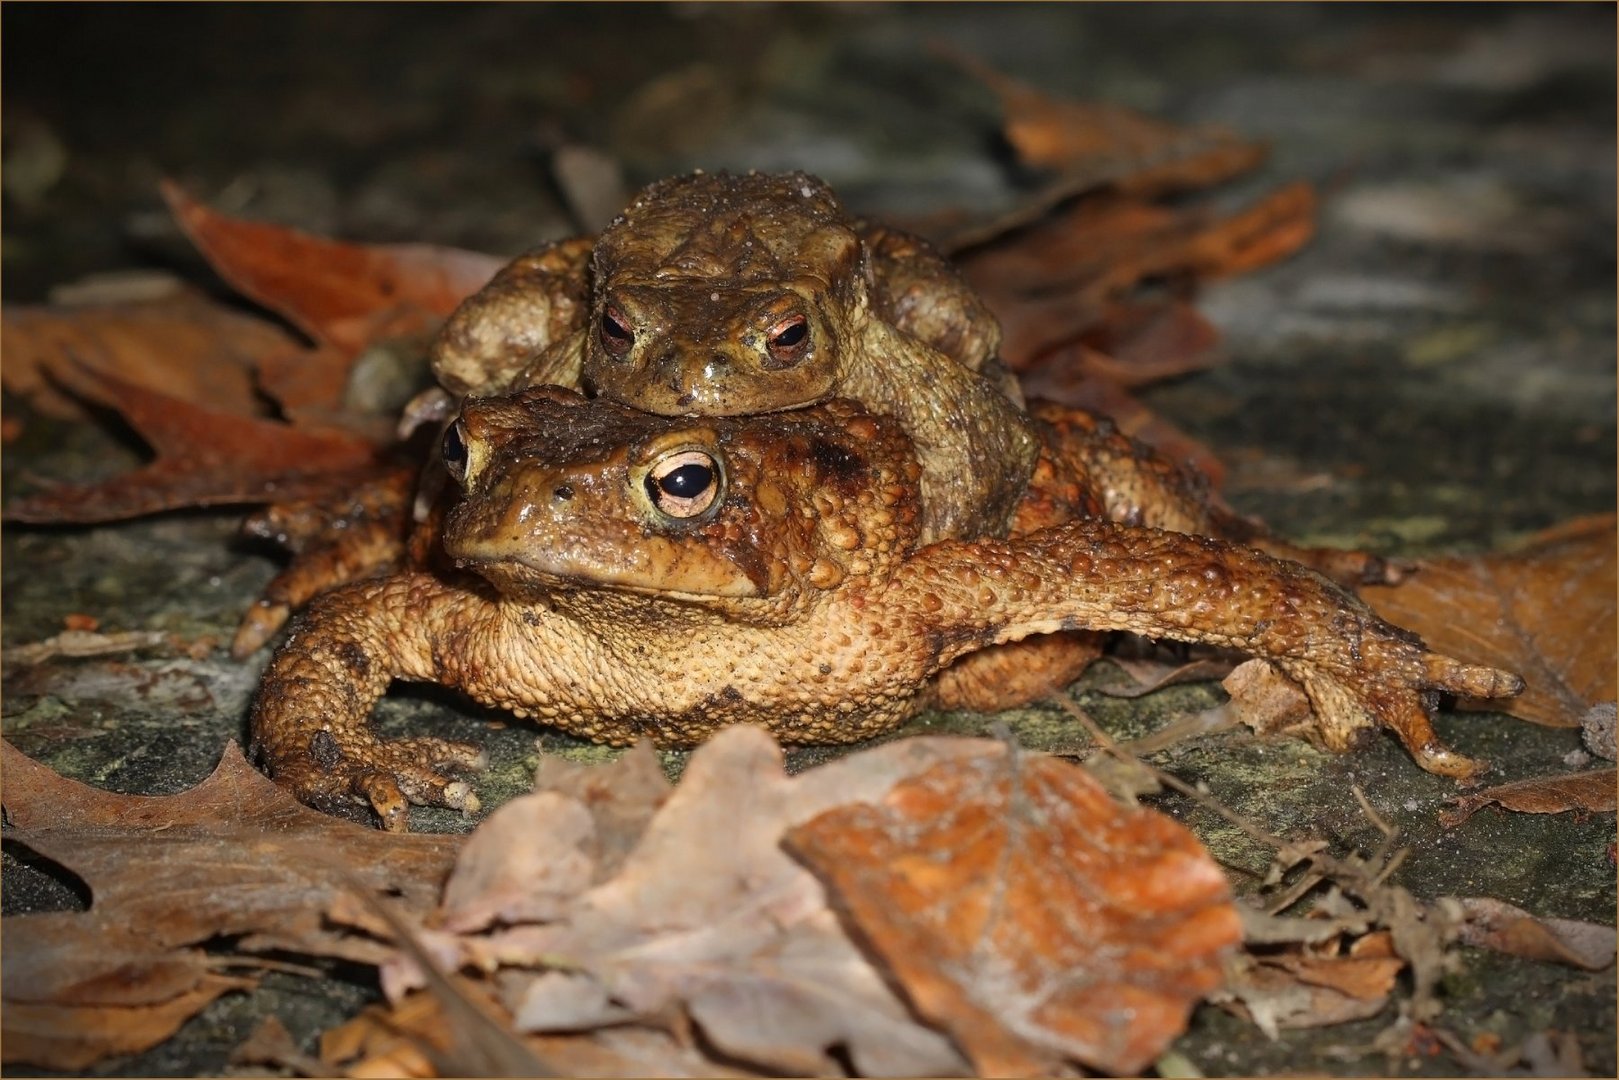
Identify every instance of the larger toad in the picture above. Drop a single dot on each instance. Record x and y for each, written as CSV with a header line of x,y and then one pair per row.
x,y
723,295
641,575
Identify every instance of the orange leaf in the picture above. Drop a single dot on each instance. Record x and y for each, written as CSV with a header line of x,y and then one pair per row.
x,y
1545,611
1056,283
1495,924
182,344
72,1038
346,297
205,457
1098,143
1029,914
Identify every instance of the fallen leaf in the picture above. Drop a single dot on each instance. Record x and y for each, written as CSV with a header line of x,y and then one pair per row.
x,y
183,345
233,858
1096,145
1495,924
733,933
205,457
1146,676
83,643
346,297
1593,792
1266,700
1028,913
535,854
389,1040
1307,986
1545,610
1054,284
74,1037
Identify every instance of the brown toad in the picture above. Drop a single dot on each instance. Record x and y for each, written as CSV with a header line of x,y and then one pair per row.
x,y
642,575
724,295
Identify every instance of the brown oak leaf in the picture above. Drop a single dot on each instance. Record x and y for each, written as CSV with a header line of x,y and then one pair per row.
x,y
1545,610
1592,791
205,457
1097,145
709,918
1315,985
182,343
1028,913
346,297
1495,924
234,857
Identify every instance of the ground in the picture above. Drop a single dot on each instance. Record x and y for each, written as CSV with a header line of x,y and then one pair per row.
x,y
1435,372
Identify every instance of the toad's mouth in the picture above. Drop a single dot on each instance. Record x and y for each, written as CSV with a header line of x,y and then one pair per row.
x,y
656,570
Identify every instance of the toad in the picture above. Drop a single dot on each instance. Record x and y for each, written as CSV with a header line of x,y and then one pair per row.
x,y
727,295
630,575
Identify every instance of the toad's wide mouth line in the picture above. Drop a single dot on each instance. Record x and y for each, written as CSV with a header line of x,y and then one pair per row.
x,y
540,574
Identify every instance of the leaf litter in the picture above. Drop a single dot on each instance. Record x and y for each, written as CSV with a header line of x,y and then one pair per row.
x,y
234,857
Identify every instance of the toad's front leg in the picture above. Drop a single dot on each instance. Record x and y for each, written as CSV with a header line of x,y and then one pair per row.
x,y
311,721
1357,669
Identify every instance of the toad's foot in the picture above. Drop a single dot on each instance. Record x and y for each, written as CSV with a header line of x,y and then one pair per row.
x,y
1395,687
389,775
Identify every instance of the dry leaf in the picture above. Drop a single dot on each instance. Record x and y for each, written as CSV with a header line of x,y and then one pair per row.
x,y
1028,913
184,345
346,297
1545,611
1094,145
74,1037
1588,791
204,458
1495,924
235,856
1055,284
1308,986
708,917
1265,699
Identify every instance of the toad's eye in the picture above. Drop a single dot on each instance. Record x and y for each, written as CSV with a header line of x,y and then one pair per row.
x,y
616,335
455,450
684,484
788,341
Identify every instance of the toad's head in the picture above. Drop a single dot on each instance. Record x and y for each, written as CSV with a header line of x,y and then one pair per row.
x,y
720,295
563,493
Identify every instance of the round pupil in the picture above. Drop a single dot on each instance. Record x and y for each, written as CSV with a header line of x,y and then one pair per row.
x,y
688,481
791,336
